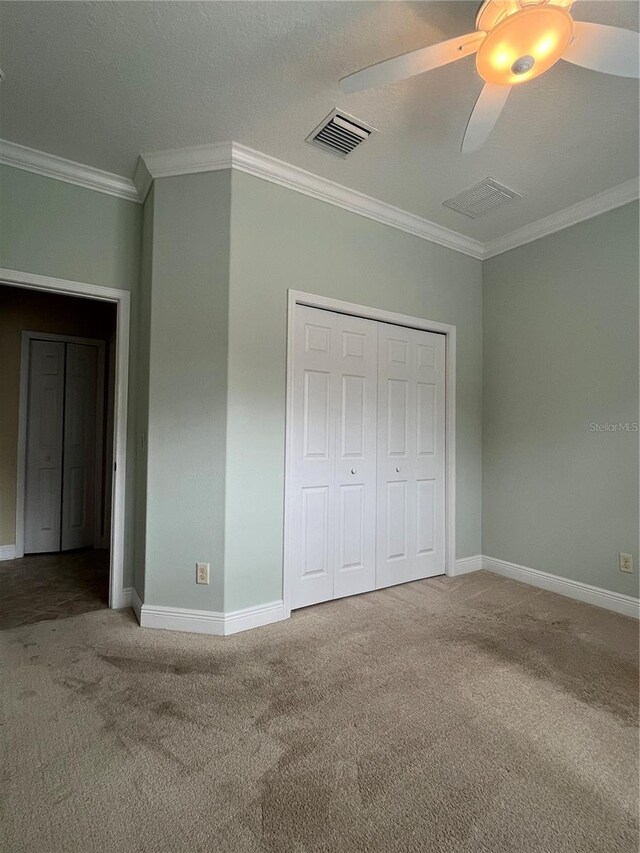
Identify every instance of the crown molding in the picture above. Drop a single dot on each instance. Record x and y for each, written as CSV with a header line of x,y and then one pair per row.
x,y
142,179
572,215
232,155
294,178
188,161
51,166
181,161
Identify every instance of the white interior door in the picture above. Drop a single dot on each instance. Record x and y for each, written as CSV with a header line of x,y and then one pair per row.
x,y
43,475
310,492
355,404
332,484
411,455
79,466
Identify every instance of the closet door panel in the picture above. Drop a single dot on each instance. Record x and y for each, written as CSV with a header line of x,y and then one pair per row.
x,y
397,526
310,492
425,516
43,480
78,480
411,473
430,355
355,371
331,491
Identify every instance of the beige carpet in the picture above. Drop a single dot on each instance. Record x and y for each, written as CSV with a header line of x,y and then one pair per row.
x,y
466,714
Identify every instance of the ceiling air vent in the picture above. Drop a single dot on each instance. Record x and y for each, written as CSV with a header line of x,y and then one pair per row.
x,y
340,134
481,198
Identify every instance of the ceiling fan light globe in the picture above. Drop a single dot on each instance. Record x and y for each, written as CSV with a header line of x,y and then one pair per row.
x,y
536,37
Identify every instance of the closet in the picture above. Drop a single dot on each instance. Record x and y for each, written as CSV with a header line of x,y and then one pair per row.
x,y
366,478
61,462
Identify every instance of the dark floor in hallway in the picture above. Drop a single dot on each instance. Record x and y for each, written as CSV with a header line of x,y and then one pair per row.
x,y
52,586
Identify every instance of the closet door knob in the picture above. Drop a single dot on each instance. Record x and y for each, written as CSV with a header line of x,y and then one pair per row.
x,y
354,470
397,470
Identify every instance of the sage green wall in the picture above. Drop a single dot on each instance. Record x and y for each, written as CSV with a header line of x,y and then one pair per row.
x,y
281,239
187,389
561,353
60,230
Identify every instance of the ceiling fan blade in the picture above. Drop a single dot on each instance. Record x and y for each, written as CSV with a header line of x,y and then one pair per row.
x,y
610,50
484,116
410,64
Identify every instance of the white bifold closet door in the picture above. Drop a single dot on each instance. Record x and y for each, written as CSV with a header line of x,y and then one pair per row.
x,y
411,455
79,459
45,419
61,447
366,482
332,484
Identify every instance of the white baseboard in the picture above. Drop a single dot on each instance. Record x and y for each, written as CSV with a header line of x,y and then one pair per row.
x,y
616,601
224,624
7,552
253,617
210,622
467,564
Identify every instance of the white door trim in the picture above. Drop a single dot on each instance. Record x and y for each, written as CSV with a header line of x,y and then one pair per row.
x,y
31,281
297,297
25,354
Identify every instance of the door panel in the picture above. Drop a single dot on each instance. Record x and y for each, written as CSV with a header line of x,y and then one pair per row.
x,y
353,423
311,473
397,521
355,371
333,453
79,469
43,476
49,502
316,414
397,402
315,527
425,491
411,455
352,520
426,427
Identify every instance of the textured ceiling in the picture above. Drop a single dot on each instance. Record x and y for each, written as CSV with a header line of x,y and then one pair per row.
x,y
100,82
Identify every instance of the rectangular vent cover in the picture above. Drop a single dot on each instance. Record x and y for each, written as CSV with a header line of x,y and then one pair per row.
x,y
481,198
340,134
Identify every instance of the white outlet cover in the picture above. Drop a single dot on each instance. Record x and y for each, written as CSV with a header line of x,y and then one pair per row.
x,y
202,573
625,563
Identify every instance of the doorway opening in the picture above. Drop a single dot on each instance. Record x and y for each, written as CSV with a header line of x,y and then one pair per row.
x,y
61,359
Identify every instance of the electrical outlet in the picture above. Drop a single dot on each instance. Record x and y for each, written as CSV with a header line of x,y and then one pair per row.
x,y
625,563
202,572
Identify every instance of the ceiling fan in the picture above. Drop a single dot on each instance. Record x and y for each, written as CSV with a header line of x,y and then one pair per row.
x,y
514,41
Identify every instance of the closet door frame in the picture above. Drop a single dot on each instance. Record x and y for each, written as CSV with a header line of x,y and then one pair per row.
x,y
23,416
297,297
